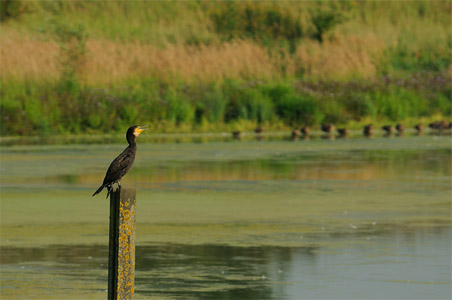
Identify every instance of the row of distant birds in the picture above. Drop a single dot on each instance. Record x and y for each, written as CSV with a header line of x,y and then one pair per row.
x,y
367,130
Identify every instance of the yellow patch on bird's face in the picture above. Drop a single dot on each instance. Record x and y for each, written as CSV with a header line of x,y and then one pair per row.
x,y
138,130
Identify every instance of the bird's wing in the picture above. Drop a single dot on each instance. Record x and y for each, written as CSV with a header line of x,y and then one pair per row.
x,y
118,166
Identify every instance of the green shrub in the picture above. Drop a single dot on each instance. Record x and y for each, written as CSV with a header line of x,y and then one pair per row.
x,y
11,108
247,102
441,103
399,103
359,105
178,109
30,108
257,21
72,47
129,113
334,111
11,9
210,105
323,22
431,58
299,109
295,108
259,106
278,91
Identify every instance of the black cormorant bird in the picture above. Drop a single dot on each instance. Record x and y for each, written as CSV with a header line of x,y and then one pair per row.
x,y
388,128
400,127
328,128
259,130
440,125
121,164
237,134
305,130
368,129
419,127
342,131
295,133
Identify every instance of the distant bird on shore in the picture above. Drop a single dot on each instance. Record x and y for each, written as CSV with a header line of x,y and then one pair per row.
x,y
121,164
439,125
295,133
305,130
237,134
388,128
419,127
342,131
400,127
328,128
368,129
259,130
434,125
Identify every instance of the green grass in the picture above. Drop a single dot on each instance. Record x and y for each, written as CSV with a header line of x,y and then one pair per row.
x,y
34,108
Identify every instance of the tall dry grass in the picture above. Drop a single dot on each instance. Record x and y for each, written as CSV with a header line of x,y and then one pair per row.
x,y
238,59
179,40
24,58
340,58
108,61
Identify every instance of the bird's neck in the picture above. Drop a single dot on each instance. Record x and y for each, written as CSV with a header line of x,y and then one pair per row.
x,y
132,142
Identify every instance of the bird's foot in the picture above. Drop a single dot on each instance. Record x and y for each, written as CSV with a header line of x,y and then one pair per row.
x,y
109,189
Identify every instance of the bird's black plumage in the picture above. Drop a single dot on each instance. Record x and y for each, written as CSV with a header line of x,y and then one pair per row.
x,y
121,164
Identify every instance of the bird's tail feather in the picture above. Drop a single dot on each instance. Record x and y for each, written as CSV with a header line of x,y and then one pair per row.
x,y
99,190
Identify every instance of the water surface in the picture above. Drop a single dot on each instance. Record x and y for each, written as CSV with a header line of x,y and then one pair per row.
x,y
269,219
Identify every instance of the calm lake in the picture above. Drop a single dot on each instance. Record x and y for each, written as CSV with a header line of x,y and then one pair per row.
x,y
357,218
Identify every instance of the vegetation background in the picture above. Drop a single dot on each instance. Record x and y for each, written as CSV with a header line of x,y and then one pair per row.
x,y
182,66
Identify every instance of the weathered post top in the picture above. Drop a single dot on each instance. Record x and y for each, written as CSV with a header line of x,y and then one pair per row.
x,y
121,254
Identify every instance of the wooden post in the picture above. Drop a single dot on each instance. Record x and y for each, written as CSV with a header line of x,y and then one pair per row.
x,y
121,253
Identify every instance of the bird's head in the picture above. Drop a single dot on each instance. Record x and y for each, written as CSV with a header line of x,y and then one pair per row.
x,y
133,132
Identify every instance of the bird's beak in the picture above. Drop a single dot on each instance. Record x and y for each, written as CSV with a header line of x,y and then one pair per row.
x,y
140,129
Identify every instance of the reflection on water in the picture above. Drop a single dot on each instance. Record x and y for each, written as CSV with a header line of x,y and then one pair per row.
x,y
271,219
159,164
402,263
